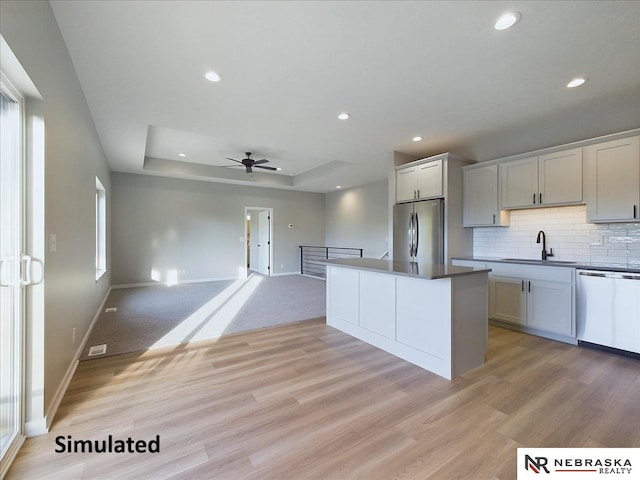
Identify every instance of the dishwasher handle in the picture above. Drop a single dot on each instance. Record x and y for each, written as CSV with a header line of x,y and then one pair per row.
x,y
623,276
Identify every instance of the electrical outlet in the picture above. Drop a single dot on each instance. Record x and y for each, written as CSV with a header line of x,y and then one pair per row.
x,y
111,309
73,336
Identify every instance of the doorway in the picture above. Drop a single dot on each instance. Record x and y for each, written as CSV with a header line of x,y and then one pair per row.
x,y
259,239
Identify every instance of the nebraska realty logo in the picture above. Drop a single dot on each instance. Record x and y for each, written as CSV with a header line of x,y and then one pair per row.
x,y
583,463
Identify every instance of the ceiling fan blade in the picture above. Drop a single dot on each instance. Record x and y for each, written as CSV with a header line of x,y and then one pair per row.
x,y
229,166
258,162
234,160
266,168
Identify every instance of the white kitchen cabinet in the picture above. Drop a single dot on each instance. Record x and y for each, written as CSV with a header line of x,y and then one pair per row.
x,y
406,184
430,179
509,299
560,177
549,306
535,299
519,182
552,179
612,181
480,197
418,182
538,297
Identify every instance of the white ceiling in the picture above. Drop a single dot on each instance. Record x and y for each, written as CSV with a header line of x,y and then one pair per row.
x,y
435,69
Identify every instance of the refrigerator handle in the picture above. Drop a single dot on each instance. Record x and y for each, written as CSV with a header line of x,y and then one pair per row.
x,y
411,234
416,229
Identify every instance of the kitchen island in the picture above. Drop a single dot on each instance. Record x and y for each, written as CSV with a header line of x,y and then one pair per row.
x,y
431,315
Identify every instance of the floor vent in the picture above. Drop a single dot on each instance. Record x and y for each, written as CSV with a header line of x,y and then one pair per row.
x,y
111,309
97,350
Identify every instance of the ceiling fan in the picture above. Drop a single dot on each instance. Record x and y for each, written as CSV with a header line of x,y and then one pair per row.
x,y
249,163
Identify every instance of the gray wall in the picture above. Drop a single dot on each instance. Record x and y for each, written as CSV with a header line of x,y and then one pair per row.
x,y
358,217
197,228
73,158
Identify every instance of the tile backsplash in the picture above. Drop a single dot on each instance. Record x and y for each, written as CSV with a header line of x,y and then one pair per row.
x,y
567,232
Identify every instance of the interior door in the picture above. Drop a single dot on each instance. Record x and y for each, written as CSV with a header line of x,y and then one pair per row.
x,y
11,291
264,242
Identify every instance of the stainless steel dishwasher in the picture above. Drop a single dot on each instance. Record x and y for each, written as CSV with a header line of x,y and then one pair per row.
x,y
608,309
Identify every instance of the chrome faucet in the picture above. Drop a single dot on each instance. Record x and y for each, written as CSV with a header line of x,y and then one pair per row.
x,y
544,246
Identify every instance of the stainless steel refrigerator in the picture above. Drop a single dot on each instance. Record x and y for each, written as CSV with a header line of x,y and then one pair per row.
x,y
418,231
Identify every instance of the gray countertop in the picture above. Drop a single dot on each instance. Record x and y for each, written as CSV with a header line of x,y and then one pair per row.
x,y
551,263
429,271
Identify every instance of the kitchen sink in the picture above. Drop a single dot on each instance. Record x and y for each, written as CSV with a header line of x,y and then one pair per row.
x,y
530,260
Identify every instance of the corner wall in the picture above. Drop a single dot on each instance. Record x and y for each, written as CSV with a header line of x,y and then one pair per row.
x,y
359,218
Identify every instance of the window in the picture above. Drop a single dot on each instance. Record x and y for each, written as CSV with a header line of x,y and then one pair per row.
x,y
101,230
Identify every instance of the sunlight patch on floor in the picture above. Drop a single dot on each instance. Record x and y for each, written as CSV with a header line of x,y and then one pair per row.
x,y
211,320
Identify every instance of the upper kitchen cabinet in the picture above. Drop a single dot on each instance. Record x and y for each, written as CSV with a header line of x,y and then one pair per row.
x,y
552,179
419,181
480,197
612,181
560,177
519,180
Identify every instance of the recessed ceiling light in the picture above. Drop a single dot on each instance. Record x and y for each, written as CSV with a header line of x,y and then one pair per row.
x,y
417,139
338,186
212,76
507,20
278,168
182,154
344,116
576,82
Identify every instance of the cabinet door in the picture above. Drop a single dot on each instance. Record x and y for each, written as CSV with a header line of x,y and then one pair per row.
x,y
519,181
549,306
430,179
378,303
406,184
560,177
612,184
509,299
480,196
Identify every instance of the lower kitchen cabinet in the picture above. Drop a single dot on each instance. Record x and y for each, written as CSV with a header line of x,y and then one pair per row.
x,y
536,299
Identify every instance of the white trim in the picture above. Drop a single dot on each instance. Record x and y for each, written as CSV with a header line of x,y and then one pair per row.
x,y
156,284
271,243
280,274
42,425
10,455
36,427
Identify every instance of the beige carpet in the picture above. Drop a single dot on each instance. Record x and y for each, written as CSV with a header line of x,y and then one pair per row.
x,y
161,316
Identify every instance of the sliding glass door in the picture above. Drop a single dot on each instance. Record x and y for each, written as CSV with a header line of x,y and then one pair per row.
x,y
11,291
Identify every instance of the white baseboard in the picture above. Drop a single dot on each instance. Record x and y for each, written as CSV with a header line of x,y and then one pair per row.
x,y
36,427
280,274
156,284
42,425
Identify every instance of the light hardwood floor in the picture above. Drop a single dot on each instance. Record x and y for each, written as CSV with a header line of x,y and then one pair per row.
x,y
305,401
